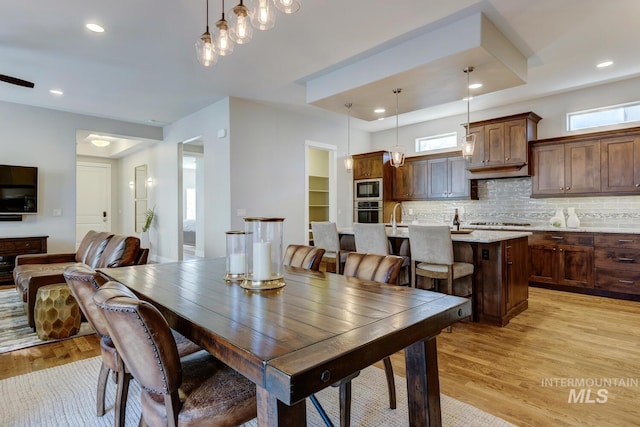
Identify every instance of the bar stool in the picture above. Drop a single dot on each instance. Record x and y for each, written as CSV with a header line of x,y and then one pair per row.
x,y
432,257
372,239
325,236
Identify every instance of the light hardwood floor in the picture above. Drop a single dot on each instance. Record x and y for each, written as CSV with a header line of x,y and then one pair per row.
x,y
500,370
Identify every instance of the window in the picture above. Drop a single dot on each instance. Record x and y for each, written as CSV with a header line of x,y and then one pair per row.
x,y
612,115
437,142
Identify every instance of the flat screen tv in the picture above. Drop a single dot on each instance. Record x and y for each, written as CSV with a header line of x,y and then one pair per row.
x,y
18,190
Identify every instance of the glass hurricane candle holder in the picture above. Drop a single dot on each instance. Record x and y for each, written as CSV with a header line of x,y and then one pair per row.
x,y
236,256
264,253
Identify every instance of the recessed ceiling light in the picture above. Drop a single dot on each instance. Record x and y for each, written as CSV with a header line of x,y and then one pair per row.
x,y
381,118
379,110
465,99
56,92
604,64
95,28
100,142
475,85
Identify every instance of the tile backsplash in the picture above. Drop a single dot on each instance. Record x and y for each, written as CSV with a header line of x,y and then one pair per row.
x,y
509,200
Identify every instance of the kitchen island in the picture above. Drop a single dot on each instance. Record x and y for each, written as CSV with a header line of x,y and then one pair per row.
x,y
501,269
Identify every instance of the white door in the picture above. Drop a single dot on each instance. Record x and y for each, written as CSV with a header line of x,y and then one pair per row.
x,y
93,198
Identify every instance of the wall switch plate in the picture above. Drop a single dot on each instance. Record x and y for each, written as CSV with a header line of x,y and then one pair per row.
x,y
57,212
241,212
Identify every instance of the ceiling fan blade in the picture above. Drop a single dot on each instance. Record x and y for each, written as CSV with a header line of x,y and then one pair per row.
x,y
15,81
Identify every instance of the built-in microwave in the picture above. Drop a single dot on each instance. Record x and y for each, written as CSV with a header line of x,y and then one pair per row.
x,y
367,189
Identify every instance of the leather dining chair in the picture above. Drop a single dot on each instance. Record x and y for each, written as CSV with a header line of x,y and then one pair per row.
x,y
325,236
372,239
376,268
432,257
194,390
301,256
84,282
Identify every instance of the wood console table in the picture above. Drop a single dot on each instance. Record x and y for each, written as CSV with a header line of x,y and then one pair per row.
x,y
11,247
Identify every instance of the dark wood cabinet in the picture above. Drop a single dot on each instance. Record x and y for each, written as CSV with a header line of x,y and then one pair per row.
x,y
369,165
620,159
617,263
601,164
447,178
502,146
501,280
433,177
566,169
11,247
559,259
410,180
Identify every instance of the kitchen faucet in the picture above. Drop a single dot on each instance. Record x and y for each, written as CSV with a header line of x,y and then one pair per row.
x,y
394,224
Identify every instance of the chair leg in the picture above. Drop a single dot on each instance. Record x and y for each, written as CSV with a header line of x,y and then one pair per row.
x,y
345,404
321,411
122,391
391,384
102,386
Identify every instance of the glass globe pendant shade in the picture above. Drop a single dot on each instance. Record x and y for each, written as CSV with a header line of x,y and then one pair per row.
x,y
468,145
240,24
397,156
348,163
205,51
287,6
222,42
262,14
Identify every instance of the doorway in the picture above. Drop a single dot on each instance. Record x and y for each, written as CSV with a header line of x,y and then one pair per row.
x,y
320,184
93,198
192,199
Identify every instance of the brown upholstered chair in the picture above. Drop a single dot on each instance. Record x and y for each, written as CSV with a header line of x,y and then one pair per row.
x,y
376,268
372,239
211,393
84,282
300,256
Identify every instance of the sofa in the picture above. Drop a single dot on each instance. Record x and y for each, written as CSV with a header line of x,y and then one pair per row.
x,y
96,250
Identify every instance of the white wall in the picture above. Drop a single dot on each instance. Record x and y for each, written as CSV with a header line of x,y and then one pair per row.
x,y
203,124
552,109
268,158
32,136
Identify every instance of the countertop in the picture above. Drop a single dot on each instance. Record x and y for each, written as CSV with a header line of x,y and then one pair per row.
x,y
537,227
476,236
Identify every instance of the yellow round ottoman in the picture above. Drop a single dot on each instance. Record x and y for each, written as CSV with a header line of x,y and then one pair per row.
x,y
57,314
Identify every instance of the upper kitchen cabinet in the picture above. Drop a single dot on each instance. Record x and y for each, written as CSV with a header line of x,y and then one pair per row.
x,y
447,178
410,180
620,157
433,177
501,148
602,163
369,165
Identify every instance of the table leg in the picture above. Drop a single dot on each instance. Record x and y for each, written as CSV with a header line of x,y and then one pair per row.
x,y
423,386
272,412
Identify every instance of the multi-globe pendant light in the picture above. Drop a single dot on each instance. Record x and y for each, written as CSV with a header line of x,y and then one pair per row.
x,y
468,141
397,153
348,161
204,46
238,29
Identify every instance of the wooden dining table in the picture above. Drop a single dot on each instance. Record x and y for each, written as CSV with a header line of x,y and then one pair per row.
x,y
294,341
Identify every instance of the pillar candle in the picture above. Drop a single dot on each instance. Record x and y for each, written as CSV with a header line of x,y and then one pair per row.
x,y
236,263
262,261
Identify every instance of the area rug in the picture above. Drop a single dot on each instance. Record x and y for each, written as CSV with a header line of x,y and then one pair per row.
x,y
65,396
15,332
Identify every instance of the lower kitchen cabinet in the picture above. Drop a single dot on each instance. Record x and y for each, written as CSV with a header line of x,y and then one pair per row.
x,y
617,263
561,259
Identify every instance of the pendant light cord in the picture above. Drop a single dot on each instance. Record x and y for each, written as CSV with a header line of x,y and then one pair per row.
x,y
468,70
397,91
207,16
348,105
